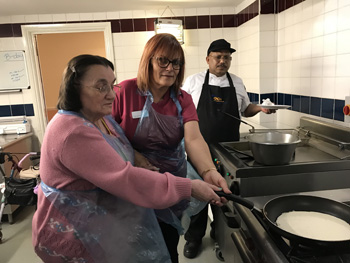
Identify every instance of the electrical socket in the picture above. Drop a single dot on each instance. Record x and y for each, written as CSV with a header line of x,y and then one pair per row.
x,y
347,102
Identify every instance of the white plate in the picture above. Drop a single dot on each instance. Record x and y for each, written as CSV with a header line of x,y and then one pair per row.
x,y
274,107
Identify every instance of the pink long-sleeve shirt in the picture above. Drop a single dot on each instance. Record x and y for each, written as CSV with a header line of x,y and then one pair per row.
x,y
75,156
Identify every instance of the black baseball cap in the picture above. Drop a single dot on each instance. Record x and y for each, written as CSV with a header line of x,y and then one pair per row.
x,y
220,45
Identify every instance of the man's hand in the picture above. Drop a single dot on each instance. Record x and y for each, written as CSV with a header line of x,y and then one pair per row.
x,y
268,111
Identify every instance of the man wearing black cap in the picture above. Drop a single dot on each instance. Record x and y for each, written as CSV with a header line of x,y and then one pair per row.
x,y
216,92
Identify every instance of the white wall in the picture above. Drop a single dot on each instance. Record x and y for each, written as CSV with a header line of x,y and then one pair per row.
x,y
314,52
304,50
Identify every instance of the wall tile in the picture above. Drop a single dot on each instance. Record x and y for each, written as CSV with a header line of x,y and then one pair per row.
x,y
271,96
100,16
190,12
342,69
327,106
139,24
216,21
72,17
267,6
5,111
113,15
150,24
29,109
315,106
203,11
115,26
338,110
46,18
59,18
152,13
190,22
18,110
31,18
86,16
138,14
203,22
296,103
330,5
280,99
20,19
125,14
6,30
343,42
305,104
343,18
126,25
253,10
229,20
215,11
289,3
281,5
253,97
228,10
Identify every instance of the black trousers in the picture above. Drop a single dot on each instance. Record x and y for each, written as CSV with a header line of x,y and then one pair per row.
x,y
171,238
198,226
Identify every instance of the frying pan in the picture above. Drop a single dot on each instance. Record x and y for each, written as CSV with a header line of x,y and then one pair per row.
x,y
275,207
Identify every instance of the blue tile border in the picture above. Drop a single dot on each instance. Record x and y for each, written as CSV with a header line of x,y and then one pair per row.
x,y
305,103
17,110
321,107
5,111
338,110
315,106
327,108
296,103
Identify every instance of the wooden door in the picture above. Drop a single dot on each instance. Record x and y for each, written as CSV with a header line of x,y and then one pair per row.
x,y
54,52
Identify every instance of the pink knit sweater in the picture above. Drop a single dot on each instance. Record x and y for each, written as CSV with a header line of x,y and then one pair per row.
x,y
75,156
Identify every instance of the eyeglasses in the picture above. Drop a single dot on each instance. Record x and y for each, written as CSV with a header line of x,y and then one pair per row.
x,y
102,88
164,62
219,57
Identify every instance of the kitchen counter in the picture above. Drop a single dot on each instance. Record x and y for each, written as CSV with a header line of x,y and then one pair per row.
x,y
6,140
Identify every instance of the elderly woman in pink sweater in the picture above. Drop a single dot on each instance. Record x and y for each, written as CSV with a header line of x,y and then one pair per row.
x,y
93,204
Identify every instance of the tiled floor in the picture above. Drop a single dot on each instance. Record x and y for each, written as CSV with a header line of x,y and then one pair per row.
x,y
16,246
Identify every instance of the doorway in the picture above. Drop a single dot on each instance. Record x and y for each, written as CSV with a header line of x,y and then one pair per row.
x,y
43,107
54,51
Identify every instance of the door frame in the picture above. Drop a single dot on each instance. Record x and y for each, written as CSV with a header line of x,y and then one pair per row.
x,y
29,33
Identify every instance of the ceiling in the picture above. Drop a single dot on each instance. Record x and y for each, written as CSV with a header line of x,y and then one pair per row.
x,y
26,7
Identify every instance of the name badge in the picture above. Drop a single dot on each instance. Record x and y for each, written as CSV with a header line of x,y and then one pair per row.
x,y
136,114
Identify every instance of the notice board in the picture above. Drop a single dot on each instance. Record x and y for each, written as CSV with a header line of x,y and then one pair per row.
x,y
13,70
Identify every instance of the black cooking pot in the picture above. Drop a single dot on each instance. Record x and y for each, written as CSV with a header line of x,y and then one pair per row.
x,y
275,207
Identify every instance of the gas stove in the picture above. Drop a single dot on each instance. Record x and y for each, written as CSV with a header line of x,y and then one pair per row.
x,y
319,167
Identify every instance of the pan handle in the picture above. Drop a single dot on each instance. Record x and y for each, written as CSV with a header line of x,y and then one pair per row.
x,y
236,199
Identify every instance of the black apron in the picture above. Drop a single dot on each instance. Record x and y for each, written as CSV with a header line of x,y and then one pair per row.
x,y
214,125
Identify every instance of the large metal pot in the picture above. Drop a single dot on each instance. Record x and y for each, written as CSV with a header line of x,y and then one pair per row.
x,y
273,148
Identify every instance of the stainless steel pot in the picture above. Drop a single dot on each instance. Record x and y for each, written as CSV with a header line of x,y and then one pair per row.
x,y
273,148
